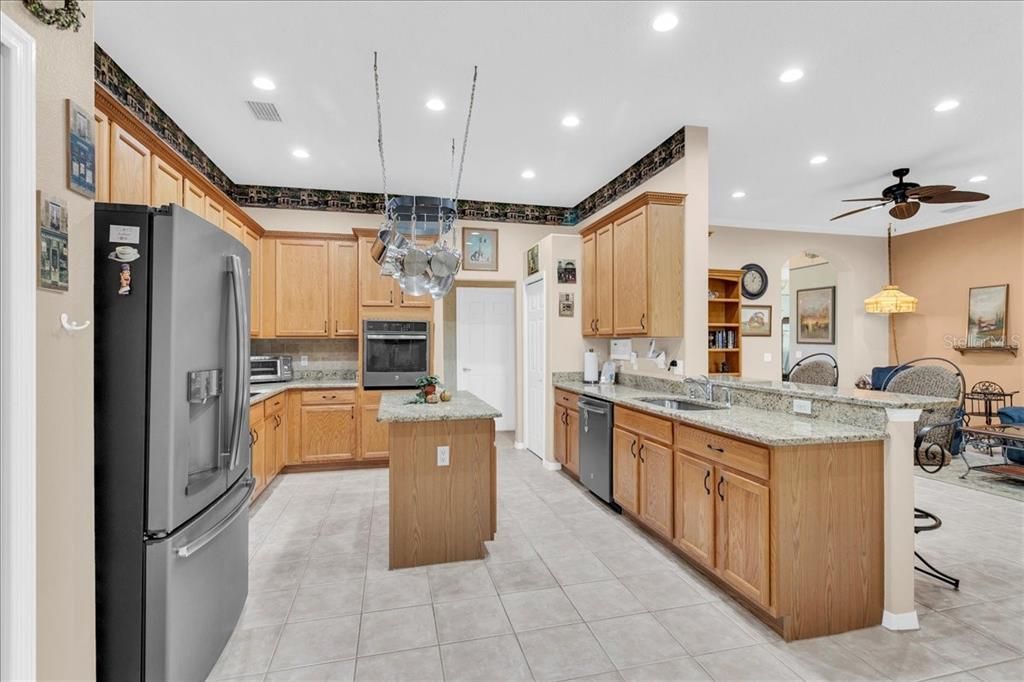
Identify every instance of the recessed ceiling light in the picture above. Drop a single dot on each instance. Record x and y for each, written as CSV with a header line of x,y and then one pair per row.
x,y
791,75
528,174
665,22
263,83
947,105
739,194
818,160
435,104
570,120
979,178
300,153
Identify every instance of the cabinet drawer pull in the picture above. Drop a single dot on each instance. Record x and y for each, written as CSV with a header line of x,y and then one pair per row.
x,y
642,325
328,397
721,480
718,450
707,475
325,326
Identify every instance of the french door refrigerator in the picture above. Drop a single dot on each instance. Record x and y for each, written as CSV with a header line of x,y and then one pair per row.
x,y
172,470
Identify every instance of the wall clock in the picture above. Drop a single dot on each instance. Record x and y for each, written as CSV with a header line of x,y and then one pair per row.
x,y
754,281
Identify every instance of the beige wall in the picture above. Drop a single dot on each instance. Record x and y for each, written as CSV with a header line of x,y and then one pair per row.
x,y
687,176
860,268
821,274
938,266
66,640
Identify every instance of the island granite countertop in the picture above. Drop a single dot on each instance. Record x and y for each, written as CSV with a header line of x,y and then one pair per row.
x,y
262,391
761,426
400,406
839,394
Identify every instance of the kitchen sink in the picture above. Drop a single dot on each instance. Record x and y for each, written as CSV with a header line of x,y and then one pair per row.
x,y
677,404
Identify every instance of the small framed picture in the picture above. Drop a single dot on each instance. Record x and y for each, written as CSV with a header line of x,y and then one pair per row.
x,y
566,304
479,248
816,315
566,271
533,260
756,320
986,315
81,151
52,228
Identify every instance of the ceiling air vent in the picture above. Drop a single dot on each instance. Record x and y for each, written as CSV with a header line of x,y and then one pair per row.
x,y
264,111
957,209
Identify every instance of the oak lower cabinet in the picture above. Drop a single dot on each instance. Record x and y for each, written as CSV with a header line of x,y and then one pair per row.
x,y
642,468
625,469
328,426
695,508
567,438
373,435
257,449
742,529
656,486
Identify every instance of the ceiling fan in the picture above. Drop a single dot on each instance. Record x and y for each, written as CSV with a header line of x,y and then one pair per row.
x,y
907,197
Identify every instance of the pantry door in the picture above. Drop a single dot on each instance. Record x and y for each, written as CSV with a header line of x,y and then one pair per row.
x,y
486,348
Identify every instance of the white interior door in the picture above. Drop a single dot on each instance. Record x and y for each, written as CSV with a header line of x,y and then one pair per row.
x,y
535,369
485,320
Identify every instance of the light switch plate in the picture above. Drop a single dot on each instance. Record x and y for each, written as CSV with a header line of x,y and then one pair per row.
x,y
442,455
801,406
303,360
767,357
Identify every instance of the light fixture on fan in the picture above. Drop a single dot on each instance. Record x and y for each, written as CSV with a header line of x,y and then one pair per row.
x,y
419,269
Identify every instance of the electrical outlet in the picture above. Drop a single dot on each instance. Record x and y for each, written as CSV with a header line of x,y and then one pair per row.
x,y
442,455
801,406
303,360
767,357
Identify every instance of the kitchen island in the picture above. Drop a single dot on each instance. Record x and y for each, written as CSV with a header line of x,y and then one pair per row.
x,y
443,478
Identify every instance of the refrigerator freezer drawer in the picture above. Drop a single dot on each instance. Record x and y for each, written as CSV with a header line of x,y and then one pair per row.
x,y
196,584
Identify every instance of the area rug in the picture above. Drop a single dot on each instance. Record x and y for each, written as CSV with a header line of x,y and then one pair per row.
x,y
978,479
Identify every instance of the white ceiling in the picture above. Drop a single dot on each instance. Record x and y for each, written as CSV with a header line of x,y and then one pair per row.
x,y
873,73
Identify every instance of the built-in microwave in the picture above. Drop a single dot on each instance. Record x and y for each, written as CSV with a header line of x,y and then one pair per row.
x,y
395,353
264,368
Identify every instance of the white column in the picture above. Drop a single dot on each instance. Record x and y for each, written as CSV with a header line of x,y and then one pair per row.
x,y
900,611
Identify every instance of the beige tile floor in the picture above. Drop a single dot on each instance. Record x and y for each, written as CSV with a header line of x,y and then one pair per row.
x,y
570,590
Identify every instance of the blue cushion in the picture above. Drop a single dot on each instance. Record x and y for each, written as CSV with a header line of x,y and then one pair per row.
x,y
879,375
1013,415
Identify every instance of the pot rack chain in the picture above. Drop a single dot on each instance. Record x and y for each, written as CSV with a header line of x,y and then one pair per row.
x,y
380,132
465,140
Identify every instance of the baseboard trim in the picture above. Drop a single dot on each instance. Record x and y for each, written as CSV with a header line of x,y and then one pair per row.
x,y
551,466
900,621
519,445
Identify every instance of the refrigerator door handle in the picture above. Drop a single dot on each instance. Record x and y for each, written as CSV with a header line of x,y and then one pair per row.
x,y
241,329
206,538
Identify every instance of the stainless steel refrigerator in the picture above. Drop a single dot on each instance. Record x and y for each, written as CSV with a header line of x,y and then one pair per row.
x,y
172,471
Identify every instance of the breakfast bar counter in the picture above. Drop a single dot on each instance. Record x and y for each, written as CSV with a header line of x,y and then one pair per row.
x,y
443,478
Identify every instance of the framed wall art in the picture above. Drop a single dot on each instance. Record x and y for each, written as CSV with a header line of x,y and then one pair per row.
x,y
533,260
566,271
479,249
566,304
756,320
816,315
986,315
81,151
52,228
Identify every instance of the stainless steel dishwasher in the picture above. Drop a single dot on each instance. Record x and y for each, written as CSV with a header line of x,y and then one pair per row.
x,y
596,446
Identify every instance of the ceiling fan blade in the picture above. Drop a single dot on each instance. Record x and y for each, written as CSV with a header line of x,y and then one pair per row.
x,y
868,199
905,210
954,197
929,190
857,210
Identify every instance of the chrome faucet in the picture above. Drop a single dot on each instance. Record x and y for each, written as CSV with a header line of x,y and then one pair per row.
x,y
728,394
703,382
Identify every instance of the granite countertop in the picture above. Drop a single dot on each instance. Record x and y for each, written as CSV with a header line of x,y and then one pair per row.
x,y
761,426
272,388
854,396
398,406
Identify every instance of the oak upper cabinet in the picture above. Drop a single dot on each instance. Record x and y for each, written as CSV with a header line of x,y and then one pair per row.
x,y
605,281
102,128
252,242
301,294
213,212
572,440
344,289
742,534
233,226
625,469
633,269
130,171
168,183
695,508
374,436
374,291
195,198
630,274
656,486
588,280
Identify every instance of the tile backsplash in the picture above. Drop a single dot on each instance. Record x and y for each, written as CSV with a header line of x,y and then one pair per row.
x,y
326,358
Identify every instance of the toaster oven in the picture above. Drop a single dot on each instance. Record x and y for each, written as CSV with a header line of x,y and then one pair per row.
x,y
265,368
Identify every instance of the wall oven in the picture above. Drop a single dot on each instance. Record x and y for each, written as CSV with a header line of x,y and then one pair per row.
x,y
395,353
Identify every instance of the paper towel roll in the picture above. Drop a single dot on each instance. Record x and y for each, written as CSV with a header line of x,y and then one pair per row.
x,y
590,371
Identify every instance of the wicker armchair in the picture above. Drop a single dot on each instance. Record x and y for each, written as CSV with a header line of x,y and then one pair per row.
x,y
822,371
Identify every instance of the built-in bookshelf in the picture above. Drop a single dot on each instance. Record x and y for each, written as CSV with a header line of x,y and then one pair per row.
x,y
724,338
